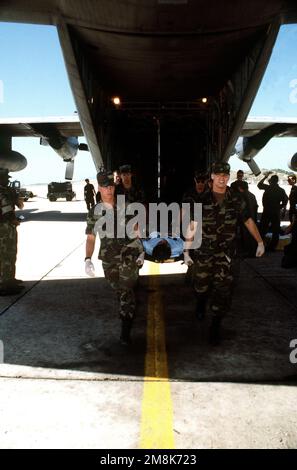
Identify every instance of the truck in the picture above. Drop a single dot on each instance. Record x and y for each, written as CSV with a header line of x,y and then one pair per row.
x,y
60,190
21,192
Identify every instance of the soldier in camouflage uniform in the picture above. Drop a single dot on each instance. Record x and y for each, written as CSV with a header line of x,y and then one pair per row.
x,y
213,278
118,255
191,196
200,184
132,192
8,236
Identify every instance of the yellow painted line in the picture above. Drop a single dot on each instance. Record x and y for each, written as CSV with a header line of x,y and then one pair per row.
x,y
157,410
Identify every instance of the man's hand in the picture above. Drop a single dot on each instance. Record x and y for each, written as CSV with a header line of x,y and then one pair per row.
x,y
140,259
187,259
260,250
15,221
89,268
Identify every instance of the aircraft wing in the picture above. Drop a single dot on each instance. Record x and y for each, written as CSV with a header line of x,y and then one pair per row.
x,y
59,132
282,127
257,132
67,126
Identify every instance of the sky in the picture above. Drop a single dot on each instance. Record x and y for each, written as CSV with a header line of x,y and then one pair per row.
x,y
33,82
277,97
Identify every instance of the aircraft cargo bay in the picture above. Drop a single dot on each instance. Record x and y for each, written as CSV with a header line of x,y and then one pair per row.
x,y
167,87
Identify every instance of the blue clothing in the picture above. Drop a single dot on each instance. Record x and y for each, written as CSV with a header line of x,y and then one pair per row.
x,y
176,244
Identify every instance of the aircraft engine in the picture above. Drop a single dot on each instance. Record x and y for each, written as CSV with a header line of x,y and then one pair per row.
x,y
12,161
246,153
292,163
66,148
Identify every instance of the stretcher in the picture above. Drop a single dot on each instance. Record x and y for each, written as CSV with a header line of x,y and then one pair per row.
x,y
169,260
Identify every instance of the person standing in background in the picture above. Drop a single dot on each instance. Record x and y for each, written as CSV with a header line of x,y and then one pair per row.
x,y
89,194
274,204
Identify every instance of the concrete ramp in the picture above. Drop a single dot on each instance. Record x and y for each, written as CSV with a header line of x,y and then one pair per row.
x,y
67,382
72,325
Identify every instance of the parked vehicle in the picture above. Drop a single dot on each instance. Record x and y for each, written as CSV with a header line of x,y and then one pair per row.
x,y
60,190
21,192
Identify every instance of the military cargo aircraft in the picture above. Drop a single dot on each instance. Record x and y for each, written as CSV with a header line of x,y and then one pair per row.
x,y
164,85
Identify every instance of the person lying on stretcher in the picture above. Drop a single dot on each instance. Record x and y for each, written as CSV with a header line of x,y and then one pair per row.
x,y
163,249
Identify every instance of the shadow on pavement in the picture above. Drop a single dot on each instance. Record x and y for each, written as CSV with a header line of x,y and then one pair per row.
x,y
73,324
51,216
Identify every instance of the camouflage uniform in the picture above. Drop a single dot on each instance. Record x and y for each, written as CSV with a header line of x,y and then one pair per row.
x,y
191,195
213,260
134,194
8,235
118,257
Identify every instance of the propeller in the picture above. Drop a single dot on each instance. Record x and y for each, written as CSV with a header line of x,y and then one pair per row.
x,y
65,147
69,170
254,167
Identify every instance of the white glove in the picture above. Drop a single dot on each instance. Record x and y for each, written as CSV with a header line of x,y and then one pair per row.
x,y
140,259
260,250
187,259
89,268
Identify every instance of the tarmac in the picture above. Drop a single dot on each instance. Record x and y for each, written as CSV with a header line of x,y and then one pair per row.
x,y
66,382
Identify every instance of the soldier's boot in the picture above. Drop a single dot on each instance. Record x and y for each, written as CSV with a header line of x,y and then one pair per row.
x,y
9,288
16,283
126,331
201,300
214,337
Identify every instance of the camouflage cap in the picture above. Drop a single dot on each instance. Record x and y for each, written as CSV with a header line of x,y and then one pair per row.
x,y
201,175
220,167
105,179
125,169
